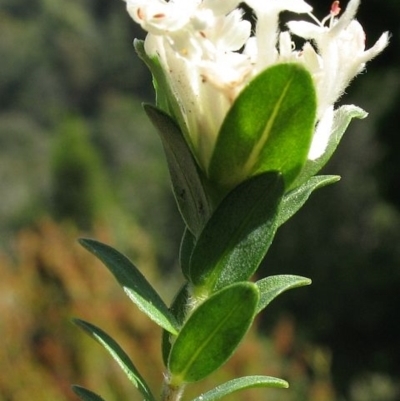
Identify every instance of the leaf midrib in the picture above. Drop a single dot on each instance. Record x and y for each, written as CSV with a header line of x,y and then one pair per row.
x,y
207,341
258,147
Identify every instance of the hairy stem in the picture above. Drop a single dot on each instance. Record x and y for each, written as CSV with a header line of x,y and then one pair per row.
x,y
171,392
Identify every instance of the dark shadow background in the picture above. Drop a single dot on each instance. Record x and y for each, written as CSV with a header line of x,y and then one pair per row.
x,y
347,237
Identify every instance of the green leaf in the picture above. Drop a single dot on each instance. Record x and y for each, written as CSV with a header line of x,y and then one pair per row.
x,y
271,287
178,309
85,394
341,120
119,355
295,199
241,383
268,128
165,99
134,284
212,333
185,176
238,234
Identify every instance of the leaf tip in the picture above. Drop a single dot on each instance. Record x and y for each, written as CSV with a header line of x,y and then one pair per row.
x,y
85,394
85,326
279,383
138,45
85,242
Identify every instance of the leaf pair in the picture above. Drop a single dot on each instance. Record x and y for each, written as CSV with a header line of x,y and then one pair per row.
x,y
239,233
143,295
214,330
212,333
208,337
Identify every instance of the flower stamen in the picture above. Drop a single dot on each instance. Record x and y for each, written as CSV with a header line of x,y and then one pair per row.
x,y
335,8
140,14
334,12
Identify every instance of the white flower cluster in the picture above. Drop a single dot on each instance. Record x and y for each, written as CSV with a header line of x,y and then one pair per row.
x,y
210,54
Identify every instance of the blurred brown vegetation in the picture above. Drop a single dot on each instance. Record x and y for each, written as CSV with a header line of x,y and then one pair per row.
x,y
52,279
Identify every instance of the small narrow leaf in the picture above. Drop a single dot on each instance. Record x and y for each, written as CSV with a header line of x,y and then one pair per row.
x,y
268,128
134,284
213,332
238,234
119,356
186,181
341,119
296,198
271,287
241,383
165,99
85,394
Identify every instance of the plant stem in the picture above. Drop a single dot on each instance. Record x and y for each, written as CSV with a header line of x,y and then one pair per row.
x,y
171,392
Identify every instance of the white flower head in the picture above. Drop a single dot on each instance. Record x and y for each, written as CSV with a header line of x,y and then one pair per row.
x,y
209,55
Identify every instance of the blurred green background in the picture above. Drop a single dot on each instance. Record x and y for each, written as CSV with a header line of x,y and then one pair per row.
x,y
78,157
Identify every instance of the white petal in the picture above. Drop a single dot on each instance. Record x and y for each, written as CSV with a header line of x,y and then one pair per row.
x,y
322,135
311,59
202,19
346,17
285,45
250,49
153,46
382,42
305,30
232,32
296,6
228,71
221,7
159,17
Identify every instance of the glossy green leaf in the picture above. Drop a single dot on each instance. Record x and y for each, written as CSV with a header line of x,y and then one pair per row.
x,y
119,356
341,120
268,128
296,198
186,181
271,287
212,333
238,234
241,383
134,284
85,394
178,309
